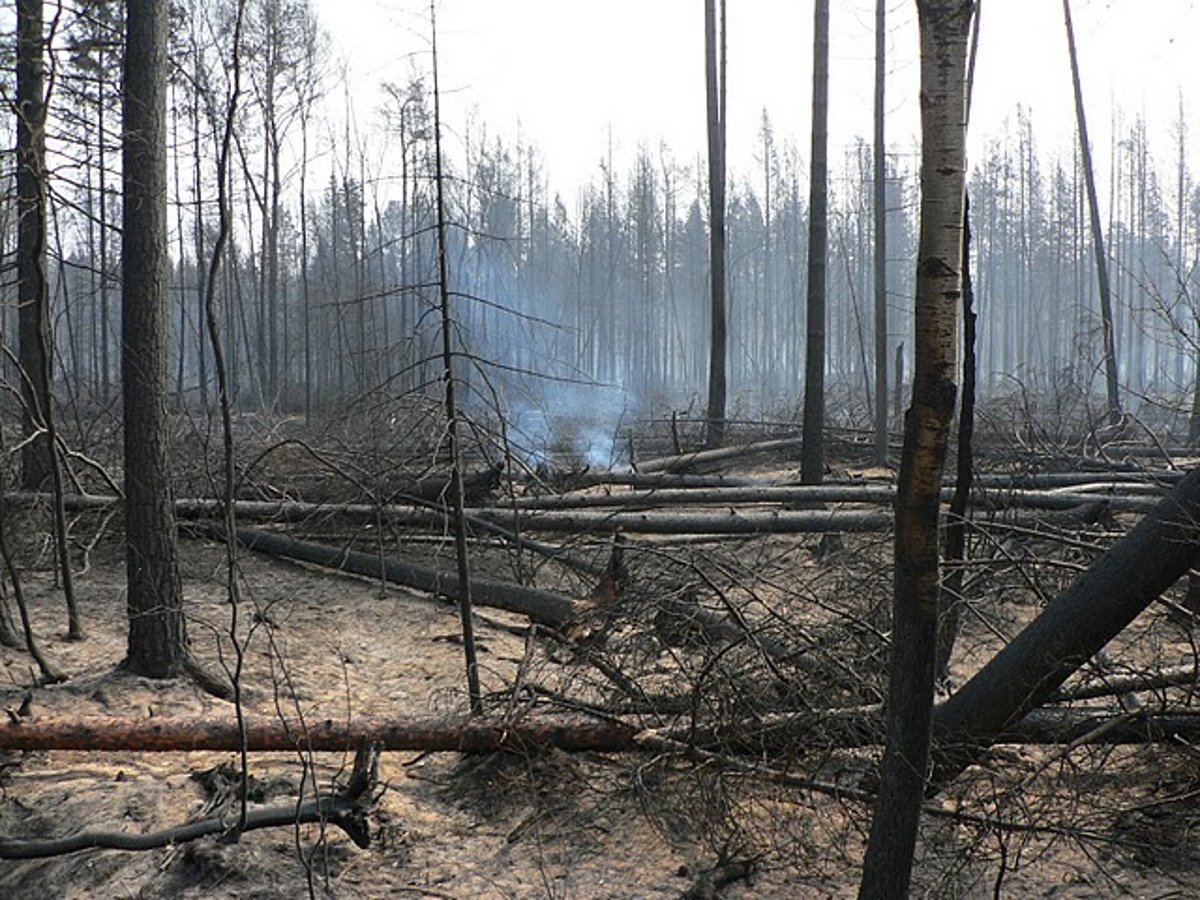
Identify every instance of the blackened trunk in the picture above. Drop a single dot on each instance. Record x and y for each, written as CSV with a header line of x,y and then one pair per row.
x,y
157,634
32,292
1072,629
812,454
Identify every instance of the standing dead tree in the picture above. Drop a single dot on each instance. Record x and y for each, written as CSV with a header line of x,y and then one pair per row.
x,y
714,70
457,492
812,459
1089,176
944,25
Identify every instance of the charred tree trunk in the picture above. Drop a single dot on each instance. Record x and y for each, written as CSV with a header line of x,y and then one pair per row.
x,y
158,646
880,207
1072,629
714,68
1085,154
33,288
812,455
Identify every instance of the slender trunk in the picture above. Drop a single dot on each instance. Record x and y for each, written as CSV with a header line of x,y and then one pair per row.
x,y
714,67
880,206
456,495
198,250
812,454
306,298
1085,154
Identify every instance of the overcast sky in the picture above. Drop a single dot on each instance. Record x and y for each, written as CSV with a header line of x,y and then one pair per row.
x,y
565,72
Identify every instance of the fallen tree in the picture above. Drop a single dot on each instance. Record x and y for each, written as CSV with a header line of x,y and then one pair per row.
x,y
725,521
573,512
815,495
683,461
1072,629
560,613
545,607
781,733
175,735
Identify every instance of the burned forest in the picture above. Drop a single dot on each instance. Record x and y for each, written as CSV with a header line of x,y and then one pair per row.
x,y
790,513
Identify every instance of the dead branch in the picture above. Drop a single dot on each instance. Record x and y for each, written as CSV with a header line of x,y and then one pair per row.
x,y
346,809
1116,685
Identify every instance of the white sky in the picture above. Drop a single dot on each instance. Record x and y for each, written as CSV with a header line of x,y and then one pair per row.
x,y
563,72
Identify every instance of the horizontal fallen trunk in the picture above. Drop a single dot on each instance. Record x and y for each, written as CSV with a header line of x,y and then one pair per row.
x,y
782,733
1052,480
813,495
541,606
653,480
682,461
725,521
559,513
729,521
880,494
544,607
176,735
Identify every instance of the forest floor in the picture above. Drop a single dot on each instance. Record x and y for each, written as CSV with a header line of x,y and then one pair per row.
x,y
1076,822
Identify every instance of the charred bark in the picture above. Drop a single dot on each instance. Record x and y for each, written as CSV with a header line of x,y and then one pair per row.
x,y
541,606
1075,626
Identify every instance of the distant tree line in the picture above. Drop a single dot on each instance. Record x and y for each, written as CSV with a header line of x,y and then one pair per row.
x,y
328,298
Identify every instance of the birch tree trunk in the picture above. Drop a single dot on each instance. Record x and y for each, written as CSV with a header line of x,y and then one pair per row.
x,y
944,27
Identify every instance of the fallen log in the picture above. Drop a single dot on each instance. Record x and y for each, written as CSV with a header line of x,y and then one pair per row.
x,y
776,733
1072,629
880,494
544,607
186,735
1051,480
725,521
528,516
800,495
683,461
541,606
655,480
